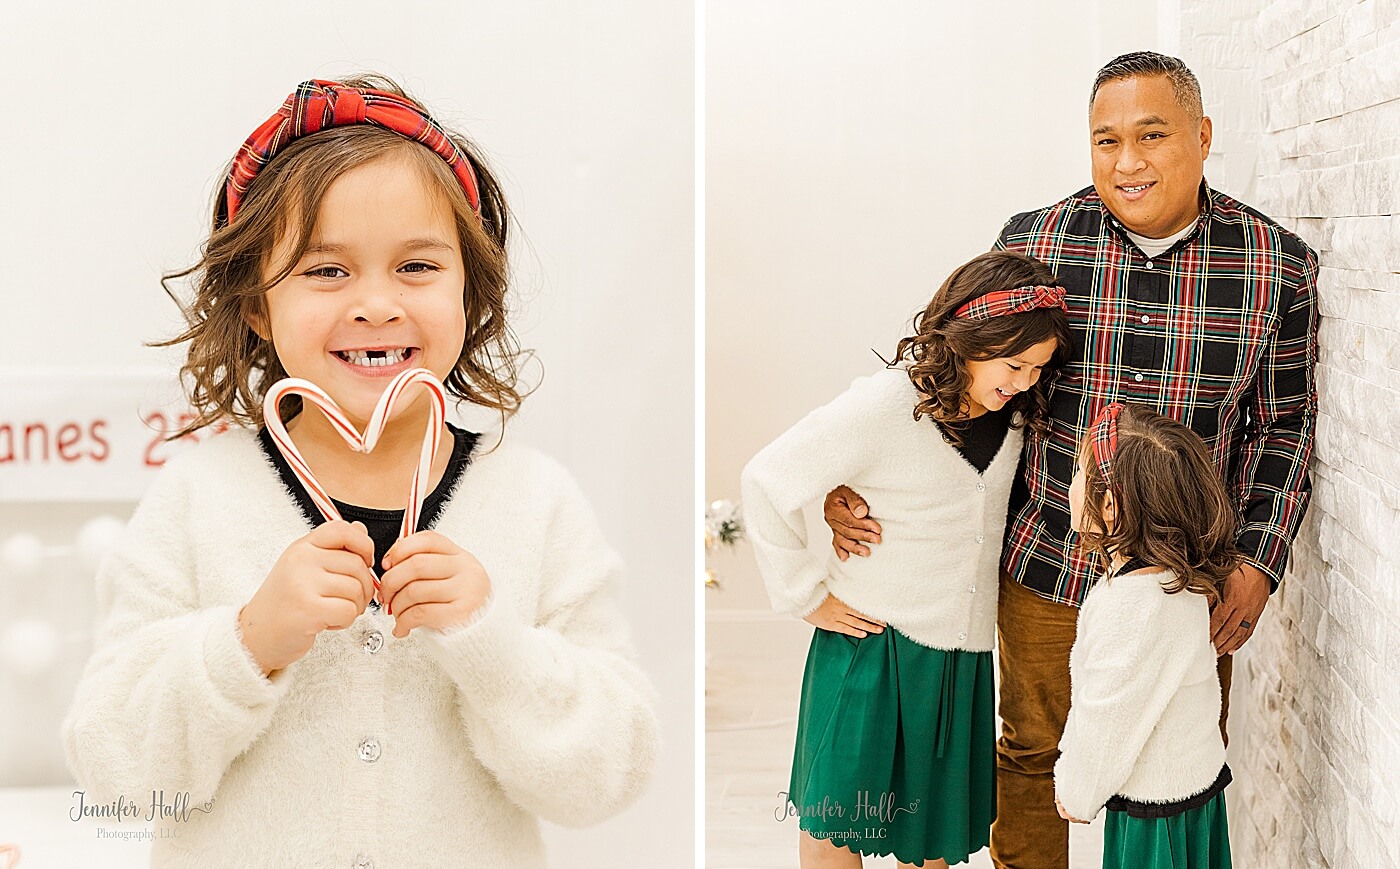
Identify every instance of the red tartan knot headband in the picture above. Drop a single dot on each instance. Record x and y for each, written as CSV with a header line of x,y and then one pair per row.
x,y
318,105
1000,303
1105,437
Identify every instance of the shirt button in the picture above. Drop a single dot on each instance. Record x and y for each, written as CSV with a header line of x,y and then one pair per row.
x,y
363,862
1149,264
1146,319
369,750
374,641
979,538
1138,377
962,636
981,486
972,589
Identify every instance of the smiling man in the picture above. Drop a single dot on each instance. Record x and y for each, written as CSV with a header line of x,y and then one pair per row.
x,y
1181,299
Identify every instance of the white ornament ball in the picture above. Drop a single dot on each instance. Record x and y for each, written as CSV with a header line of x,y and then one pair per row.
x,y
29,647
22,554
98,537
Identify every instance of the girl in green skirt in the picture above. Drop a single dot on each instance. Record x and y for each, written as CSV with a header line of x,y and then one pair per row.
x,y
895,733
1143,736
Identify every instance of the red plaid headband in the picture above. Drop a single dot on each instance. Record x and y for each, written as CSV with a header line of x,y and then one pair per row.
x,y
318,105
999,303
1105,437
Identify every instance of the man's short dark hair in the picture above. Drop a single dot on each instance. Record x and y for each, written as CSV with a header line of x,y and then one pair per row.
x,y
1144,63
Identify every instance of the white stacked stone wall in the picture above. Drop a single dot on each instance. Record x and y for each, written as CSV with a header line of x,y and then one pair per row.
x,y
1306,102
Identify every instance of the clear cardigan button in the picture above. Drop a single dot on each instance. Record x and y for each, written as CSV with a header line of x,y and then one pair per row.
x,y
374,641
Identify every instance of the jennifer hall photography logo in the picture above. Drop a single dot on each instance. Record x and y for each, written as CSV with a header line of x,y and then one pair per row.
x,y
174,807
869,819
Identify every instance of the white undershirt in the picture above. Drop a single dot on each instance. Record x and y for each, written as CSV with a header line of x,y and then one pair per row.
x,y
1156,246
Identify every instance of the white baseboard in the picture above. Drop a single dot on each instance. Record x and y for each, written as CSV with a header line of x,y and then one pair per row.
x,y
726,616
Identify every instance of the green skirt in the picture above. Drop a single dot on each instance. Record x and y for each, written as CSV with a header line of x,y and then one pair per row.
x,y
896,747
1195,839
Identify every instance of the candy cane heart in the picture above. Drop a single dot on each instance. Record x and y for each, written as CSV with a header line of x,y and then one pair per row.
x,y
360,443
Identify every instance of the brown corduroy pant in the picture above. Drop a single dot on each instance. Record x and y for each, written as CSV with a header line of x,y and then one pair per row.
x,y
1034,636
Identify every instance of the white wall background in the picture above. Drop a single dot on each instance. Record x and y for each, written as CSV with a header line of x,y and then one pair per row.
x,y
855,155
116,126
1310,94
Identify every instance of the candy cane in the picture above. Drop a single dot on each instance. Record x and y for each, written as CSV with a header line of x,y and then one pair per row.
x,y
360,443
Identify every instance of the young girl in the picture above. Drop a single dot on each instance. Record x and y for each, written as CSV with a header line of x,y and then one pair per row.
x,y
241,663
895,731
1143,735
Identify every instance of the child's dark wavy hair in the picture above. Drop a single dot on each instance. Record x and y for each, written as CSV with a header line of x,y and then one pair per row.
x,y
230,368
1173,508
941,344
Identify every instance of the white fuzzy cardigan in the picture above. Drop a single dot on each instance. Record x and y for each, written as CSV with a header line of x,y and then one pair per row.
x,y
1144,715
440,749
934,576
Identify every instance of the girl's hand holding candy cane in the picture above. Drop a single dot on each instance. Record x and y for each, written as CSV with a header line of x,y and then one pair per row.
x,y
321,582
431,582
332,566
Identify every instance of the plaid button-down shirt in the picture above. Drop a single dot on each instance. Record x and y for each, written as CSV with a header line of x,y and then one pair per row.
x,y
1218,332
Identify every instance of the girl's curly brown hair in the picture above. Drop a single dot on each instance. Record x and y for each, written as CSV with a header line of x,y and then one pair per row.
x,y
941,344
1173,510
230,368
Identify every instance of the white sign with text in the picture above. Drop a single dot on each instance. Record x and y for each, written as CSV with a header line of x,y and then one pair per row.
x,y
88,436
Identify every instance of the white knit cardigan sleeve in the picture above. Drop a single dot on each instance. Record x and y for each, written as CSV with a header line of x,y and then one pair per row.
x,y
170,695
557,710
827,448
1129,660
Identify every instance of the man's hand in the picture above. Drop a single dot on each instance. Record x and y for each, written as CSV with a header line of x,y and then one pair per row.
x,y
848,515
1236,615
834,615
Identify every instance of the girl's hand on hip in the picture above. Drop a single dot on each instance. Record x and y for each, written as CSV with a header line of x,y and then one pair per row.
x,y
321,582
431,582
833,615
1066,815
849,518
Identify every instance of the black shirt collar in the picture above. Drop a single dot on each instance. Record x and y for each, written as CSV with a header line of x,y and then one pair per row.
x,y
464,442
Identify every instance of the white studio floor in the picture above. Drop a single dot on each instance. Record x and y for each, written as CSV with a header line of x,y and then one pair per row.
x,y
753,682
